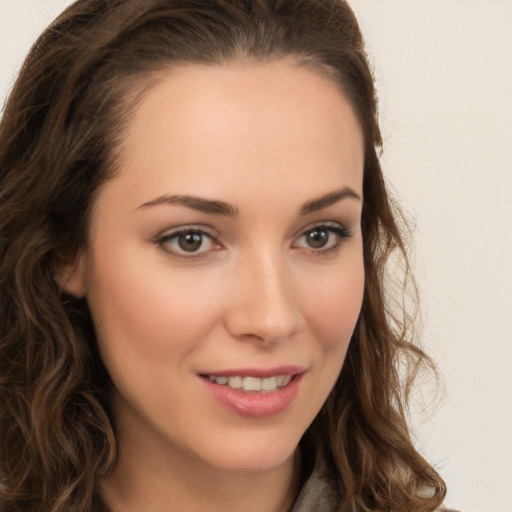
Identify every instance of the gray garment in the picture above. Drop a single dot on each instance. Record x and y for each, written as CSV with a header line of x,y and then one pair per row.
x,y
318,496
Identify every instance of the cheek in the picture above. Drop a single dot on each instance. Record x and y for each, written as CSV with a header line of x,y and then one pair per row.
x,y
335,307
150,315
332,314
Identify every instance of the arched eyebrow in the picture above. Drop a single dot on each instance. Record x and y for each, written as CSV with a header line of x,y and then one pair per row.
x,y
195,203
328,200
221,208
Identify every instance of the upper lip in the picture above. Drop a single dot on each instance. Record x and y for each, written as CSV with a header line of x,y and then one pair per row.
x,y
261,373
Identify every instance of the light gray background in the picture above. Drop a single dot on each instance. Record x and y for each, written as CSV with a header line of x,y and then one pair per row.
x,y
445,80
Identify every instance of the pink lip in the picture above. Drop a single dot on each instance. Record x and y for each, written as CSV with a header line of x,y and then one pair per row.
x,y
257,405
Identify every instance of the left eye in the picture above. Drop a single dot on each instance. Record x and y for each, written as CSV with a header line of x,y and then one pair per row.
x,y
323,237
189,241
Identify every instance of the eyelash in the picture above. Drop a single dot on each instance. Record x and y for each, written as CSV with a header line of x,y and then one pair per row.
x,y
165,239
341,233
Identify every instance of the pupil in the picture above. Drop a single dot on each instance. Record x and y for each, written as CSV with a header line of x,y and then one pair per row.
x,y
318,238
190,242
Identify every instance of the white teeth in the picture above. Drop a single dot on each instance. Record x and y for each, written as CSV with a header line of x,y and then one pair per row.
x,y
252,384
266,384
269,384
235,382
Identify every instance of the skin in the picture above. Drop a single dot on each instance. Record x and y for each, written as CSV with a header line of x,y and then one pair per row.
x,y
266,139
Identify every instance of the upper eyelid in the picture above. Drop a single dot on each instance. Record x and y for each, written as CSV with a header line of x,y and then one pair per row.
x,y
319,224
170,232
334,228
208,230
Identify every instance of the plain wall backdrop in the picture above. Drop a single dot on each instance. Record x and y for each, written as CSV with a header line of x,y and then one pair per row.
x,y
444,77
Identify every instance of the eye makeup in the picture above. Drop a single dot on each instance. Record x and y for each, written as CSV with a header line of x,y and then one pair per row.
x,y
192,242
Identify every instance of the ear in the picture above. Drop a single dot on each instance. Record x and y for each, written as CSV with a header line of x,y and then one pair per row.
x,y
71,275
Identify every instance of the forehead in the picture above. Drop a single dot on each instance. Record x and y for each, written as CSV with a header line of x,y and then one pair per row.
x,y
241,125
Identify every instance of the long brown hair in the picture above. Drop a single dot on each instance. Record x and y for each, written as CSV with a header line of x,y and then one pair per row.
x,y
59,135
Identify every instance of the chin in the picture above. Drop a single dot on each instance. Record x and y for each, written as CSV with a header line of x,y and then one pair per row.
x,y
253,454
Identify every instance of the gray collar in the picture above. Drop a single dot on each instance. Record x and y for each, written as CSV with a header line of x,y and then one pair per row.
x,y
316,496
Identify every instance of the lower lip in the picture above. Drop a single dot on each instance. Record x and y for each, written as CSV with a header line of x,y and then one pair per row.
x,y
255,405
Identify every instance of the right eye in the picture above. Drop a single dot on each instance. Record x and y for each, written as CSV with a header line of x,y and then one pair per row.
x,y
187,242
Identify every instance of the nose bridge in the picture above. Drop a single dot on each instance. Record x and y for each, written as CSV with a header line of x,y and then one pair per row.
x,y
263,305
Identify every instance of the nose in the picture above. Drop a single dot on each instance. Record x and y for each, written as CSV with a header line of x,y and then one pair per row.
x,y
263,304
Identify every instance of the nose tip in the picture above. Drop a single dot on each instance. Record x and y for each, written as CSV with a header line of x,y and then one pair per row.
x,y
269,327
263,308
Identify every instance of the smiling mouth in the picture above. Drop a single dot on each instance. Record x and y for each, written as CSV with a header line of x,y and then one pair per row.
x,y
251,384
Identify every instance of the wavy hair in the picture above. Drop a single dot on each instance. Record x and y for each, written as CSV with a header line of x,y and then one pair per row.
x,y
59,136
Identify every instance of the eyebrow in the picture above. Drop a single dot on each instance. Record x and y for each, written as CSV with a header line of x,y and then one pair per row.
x,y
222,208
328,200
195,203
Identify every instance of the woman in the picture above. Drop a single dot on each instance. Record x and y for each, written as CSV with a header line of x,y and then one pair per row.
x,y
194,231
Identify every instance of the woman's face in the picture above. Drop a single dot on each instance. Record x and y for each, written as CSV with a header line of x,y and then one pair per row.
x,y
225,270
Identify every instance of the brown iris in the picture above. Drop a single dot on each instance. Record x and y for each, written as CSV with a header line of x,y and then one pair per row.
x,y
317,238
190,241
